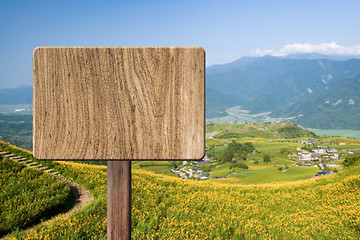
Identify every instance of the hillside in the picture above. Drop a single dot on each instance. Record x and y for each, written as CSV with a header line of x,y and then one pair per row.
x,y
279,131
340,102
217,102
28,194
166,207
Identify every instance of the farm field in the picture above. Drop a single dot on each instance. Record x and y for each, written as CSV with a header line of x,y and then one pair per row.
x,y
269,175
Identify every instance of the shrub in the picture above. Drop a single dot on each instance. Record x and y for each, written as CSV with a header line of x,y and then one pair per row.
x,y
266,158
352,159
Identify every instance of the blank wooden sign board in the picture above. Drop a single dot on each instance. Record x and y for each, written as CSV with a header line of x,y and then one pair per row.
x,y
122,104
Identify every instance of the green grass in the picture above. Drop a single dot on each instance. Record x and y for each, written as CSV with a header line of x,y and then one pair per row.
x,y
160,167
215,151
222,170
271,174
275,145
28,195
87,223
214,142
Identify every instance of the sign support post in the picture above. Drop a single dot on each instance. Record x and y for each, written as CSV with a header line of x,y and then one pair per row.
x,y
119,199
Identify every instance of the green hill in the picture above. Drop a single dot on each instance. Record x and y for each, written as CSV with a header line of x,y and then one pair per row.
x,y
28,195
337,107
278,130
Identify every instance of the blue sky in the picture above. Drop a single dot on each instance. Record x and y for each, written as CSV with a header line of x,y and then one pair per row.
x,y
227,30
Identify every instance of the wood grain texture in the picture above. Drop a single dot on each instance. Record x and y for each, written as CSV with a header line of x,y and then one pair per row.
x,y
96,103
119,200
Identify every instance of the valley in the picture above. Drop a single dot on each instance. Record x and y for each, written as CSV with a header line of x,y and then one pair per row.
x,y
238,115
16,125
293,154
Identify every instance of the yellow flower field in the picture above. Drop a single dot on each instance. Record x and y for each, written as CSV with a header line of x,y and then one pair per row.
x,y
166,207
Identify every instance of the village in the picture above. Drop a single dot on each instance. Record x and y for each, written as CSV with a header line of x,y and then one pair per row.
x,y
317,153
319,156
188,170
311,155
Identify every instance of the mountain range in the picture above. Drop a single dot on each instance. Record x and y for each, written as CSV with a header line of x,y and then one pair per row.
x,y
312,90
16,96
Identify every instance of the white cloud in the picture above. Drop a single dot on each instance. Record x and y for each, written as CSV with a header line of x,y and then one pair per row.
x,y
324,48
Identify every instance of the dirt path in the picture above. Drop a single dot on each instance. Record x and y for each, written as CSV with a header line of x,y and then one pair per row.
x,y
82,196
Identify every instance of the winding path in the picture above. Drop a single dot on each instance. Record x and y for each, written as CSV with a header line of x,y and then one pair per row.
x,y
82,196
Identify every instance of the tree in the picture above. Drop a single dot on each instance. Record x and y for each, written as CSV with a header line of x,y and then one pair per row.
x,y
351,160
236,151
266,158
227,155
207,168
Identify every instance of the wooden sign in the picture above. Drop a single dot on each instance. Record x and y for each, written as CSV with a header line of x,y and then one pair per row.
x,y
119,103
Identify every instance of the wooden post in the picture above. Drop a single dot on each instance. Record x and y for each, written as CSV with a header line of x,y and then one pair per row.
x,y
119,103
119,200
